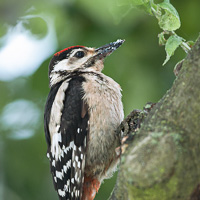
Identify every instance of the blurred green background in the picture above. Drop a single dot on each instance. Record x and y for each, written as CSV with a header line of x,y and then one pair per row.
x,y
30,32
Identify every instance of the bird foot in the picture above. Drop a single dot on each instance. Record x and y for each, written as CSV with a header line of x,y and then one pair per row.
x,y
130,125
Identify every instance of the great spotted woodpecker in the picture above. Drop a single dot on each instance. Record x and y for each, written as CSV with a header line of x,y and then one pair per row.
x,y
82,113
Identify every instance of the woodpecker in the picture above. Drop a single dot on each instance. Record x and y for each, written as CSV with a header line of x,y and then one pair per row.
x,y
82,113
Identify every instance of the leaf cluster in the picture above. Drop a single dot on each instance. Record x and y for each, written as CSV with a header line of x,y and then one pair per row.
x,y
168,20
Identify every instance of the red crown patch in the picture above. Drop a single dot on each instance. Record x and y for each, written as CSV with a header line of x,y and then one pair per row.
x,y
66,49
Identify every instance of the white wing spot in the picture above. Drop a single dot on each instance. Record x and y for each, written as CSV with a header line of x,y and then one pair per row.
x,y
67,166
74,164
79,164
76,158
78,130
71,145
76,193
54,163
61,192
59,174
76,176
72,180
67,186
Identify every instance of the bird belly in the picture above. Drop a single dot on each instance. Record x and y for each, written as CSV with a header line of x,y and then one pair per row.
x,y
105,115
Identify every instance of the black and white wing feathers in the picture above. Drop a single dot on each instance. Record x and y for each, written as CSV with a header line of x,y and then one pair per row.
x,y
67,137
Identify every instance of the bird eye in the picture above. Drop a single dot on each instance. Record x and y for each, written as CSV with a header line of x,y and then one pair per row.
x,y
79,54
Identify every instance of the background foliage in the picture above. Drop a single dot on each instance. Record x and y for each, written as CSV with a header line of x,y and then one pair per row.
x,y
137,66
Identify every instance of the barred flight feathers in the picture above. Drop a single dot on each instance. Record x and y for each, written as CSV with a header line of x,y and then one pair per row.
x,y
66,123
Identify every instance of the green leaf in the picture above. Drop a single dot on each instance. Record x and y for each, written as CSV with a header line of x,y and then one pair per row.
x,y
170,20
172,44
161,39
146,7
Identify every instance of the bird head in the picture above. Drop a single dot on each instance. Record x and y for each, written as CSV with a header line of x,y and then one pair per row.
x,y
79,59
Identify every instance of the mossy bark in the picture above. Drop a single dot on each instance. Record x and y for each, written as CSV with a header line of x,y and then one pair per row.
x,y
163,161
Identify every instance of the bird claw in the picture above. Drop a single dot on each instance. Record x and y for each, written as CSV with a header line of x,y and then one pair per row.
x,y
131,125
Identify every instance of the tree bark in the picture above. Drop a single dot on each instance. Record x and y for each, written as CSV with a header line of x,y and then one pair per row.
x,y
163,161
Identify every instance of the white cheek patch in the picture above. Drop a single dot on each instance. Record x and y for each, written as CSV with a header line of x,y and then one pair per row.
x,y
63,65
81,61
71,63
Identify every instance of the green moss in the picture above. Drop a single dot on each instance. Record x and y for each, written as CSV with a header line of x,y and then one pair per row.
x,y
161,191
177,137
155,137
154,141
120,191
157,134
123,159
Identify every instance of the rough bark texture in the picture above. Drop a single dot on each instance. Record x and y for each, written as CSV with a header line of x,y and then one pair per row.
x,y
163,161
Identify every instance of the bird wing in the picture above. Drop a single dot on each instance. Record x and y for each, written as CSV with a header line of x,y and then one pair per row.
x,y
68,132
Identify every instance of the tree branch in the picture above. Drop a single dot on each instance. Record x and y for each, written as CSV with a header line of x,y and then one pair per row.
x,y
163,160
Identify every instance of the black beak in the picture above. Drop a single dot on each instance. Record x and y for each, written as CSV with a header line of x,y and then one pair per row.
x,y
102,52
107,49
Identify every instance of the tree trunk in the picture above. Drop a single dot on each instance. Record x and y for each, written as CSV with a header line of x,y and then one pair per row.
x,y
163,161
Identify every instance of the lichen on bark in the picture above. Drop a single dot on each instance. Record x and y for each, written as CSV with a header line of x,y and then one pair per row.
x,y
162,161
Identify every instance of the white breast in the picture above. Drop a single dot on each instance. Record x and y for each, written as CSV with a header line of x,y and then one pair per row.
x,y
103,96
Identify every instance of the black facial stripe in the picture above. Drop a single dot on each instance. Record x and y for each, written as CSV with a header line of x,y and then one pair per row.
x,y
89,62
